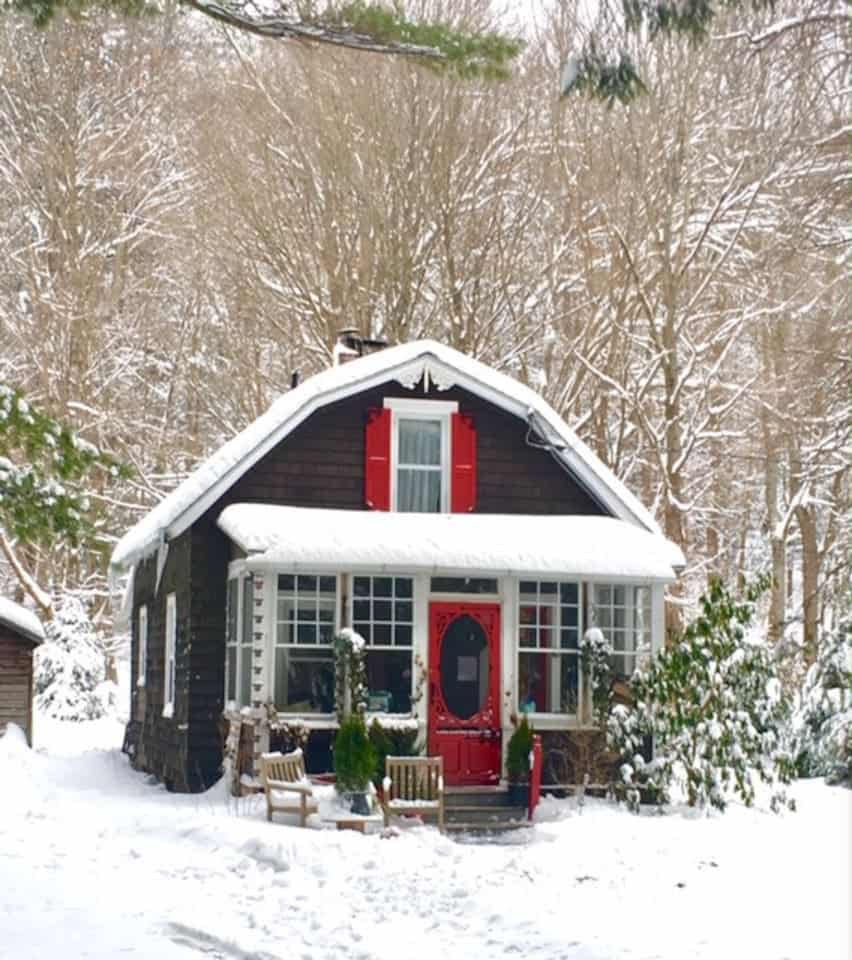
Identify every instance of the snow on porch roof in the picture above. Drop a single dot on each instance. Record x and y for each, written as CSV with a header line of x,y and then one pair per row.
x,y
406,363
302,538
21,620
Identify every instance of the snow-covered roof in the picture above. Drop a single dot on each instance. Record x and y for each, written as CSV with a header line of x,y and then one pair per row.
x,y
302,538
406,363
21,620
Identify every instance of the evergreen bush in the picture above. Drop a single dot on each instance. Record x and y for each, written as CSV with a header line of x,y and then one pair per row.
x,y
391,742
518,752
823,720
712,702
354,756
69,674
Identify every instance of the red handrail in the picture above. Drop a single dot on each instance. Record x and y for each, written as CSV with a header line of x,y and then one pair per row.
x,y
535,774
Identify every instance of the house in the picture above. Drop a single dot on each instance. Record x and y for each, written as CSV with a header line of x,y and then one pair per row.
x,y
441,509
20,633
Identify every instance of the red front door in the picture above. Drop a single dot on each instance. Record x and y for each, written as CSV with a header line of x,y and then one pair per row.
x,y
464,691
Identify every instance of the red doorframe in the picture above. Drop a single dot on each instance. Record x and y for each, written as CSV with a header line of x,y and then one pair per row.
x,y
471,746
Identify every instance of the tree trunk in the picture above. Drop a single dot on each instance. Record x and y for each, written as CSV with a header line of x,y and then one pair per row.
x,y
810,581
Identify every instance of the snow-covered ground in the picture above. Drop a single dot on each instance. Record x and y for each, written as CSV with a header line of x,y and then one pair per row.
x,y
95,861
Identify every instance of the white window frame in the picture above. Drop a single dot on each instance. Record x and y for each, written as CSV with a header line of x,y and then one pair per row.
x,y
406,408
391,647
550,717
629,607
142,642
275,644
169,660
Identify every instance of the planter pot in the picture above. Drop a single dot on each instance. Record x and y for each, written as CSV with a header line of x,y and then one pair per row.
x,y
519,794
359,803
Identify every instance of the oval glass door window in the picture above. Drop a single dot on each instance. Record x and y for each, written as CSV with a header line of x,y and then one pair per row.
x,y
464,667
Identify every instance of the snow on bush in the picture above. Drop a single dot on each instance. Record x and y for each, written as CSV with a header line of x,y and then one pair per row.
x,y
712,704
70,682
823,719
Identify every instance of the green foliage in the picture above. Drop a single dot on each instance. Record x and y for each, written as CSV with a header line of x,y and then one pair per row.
x,y
608,74
354,756
713,704
823,720
42,466
350,673
471,55
596,654
518,752
391,742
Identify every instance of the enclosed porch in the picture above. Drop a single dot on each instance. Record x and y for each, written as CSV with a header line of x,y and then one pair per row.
x,y
467,620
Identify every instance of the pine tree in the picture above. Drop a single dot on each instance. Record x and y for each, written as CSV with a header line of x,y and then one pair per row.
x,y
69,671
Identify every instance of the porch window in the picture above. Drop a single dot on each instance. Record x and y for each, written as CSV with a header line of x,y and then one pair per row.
x,y
623,613
549,647
170,657
239,641
306,607
383,613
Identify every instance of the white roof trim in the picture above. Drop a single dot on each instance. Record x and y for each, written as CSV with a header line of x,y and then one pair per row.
x,y
320,541
406,363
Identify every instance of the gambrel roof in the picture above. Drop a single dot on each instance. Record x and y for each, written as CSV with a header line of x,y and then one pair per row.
x,y
407,363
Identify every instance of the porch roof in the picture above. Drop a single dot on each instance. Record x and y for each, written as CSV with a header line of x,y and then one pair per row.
x,y
300,538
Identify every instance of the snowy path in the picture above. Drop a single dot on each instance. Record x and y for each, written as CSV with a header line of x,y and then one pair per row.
x,y
97,863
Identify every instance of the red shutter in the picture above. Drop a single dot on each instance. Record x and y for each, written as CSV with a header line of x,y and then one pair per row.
x,y
377,465
463,498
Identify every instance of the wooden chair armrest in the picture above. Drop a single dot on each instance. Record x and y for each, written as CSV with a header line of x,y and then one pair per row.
x,y
440,784
304,788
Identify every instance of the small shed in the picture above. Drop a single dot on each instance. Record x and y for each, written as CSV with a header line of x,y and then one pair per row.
x,y
20,633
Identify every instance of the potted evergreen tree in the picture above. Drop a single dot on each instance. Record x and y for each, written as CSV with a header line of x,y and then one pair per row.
x,y
518,762
354,763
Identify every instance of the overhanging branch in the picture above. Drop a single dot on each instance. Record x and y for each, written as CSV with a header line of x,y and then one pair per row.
x,y
310,31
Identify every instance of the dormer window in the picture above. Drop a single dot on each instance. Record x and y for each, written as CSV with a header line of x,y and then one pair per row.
x,y
420,457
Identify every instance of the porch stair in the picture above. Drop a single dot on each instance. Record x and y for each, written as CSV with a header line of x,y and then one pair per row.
x,y
482,811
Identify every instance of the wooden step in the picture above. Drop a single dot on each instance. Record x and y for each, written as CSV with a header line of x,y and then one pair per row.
x,y
484,814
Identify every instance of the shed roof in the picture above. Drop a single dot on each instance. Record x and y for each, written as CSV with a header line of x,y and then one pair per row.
x,y
308,539
20,620
406,363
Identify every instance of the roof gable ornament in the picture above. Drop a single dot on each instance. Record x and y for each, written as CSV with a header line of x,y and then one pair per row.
x,y
429,372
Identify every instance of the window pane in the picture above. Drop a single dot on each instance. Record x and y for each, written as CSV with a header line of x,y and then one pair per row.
x,y
361,610
231,685
248,600
569,616
389,680
528,638
308,584
528,613
402,611
548,683
232,611
326,611
603,595
304,680
361,587
419,491
328,585
306,633
382,586
463,585
382,634
619,596
382,610
326,633
419,442
402,586
548,589
570,639
568,592
402,636
285,633
286,581
245,677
